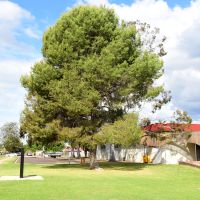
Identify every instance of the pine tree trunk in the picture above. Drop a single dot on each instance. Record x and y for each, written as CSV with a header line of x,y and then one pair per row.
x,y
78,152
112,153
93,161
72,153
85,152
124,158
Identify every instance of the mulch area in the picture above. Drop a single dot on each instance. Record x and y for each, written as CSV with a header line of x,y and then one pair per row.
x,y
38,160
191,163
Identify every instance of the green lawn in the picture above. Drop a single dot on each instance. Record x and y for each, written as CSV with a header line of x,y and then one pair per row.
x,y
116,182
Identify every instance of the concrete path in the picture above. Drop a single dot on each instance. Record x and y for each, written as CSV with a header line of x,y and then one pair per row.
x,y
16,178
191,163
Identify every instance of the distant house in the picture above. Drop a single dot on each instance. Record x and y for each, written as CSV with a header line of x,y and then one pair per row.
x,y
156,144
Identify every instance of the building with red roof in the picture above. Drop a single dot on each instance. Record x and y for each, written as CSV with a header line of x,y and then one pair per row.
x,y
193,140
168,127
161,143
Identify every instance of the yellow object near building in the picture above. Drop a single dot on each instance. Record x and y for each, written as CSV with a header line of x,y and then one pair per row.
x,y
146,159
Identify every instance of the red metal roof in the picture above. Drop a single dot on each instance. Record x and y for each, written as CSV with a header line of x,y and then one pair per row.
x,y
195,127
159,127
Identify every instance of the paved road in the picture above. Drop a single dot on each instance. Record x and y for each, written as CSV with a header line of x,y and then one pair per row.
x,y
37,160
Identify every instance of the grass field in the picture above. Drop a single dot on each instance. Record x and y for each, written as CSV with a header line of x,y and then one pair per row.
x,y
118,181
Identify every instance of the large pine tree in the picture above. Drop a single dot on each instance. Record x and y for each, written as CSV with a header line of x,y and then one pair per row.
x,y
94,69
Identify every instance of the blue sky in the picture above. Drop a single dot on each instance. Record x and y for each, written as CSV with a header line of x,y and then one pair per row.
x,y
22,23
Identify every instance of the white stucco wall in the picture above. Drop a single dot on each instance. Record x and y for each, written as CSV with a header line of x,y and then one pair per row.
x,y
171,154
167,154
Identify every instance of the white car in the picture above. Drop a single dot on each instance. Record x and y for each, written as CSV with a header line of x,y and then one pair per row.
x,y
11,154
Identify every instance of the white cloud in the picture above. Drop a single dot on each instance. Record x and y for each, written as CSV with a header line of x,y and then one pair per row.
x,y
11,93
10,70
30,32
16,57
182,63
92,2
14,10
190,39
165,114
14,23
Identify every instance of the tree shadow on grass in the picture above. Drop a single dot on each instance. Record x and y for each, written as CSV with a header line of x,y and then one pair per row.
x,y
120,166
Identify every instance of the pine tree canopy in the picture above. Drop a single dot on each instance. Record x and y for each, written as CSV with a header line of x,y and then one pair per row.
x,y
94,69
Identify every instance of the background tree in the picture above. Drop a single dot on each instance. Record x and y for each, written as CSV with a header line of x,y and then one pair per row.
x,y
180,127
95,69
124,132
176,132
10,137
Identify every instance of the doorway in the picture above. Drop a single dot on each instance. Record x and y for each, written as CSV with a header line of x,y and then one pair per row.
x,y
198,152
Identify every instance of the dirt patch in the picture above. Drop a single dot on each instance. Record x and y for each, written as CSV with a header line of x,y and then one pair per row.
x,y
4,160
191,163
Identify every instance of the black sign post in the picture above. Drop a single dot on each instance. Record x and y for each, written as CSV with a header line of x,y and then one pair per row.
x,y
22,163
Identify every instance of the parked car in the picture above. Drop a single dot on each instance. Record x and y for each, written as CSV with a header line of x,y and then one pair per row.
x,y
11,154
18,153
54,154
29,154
